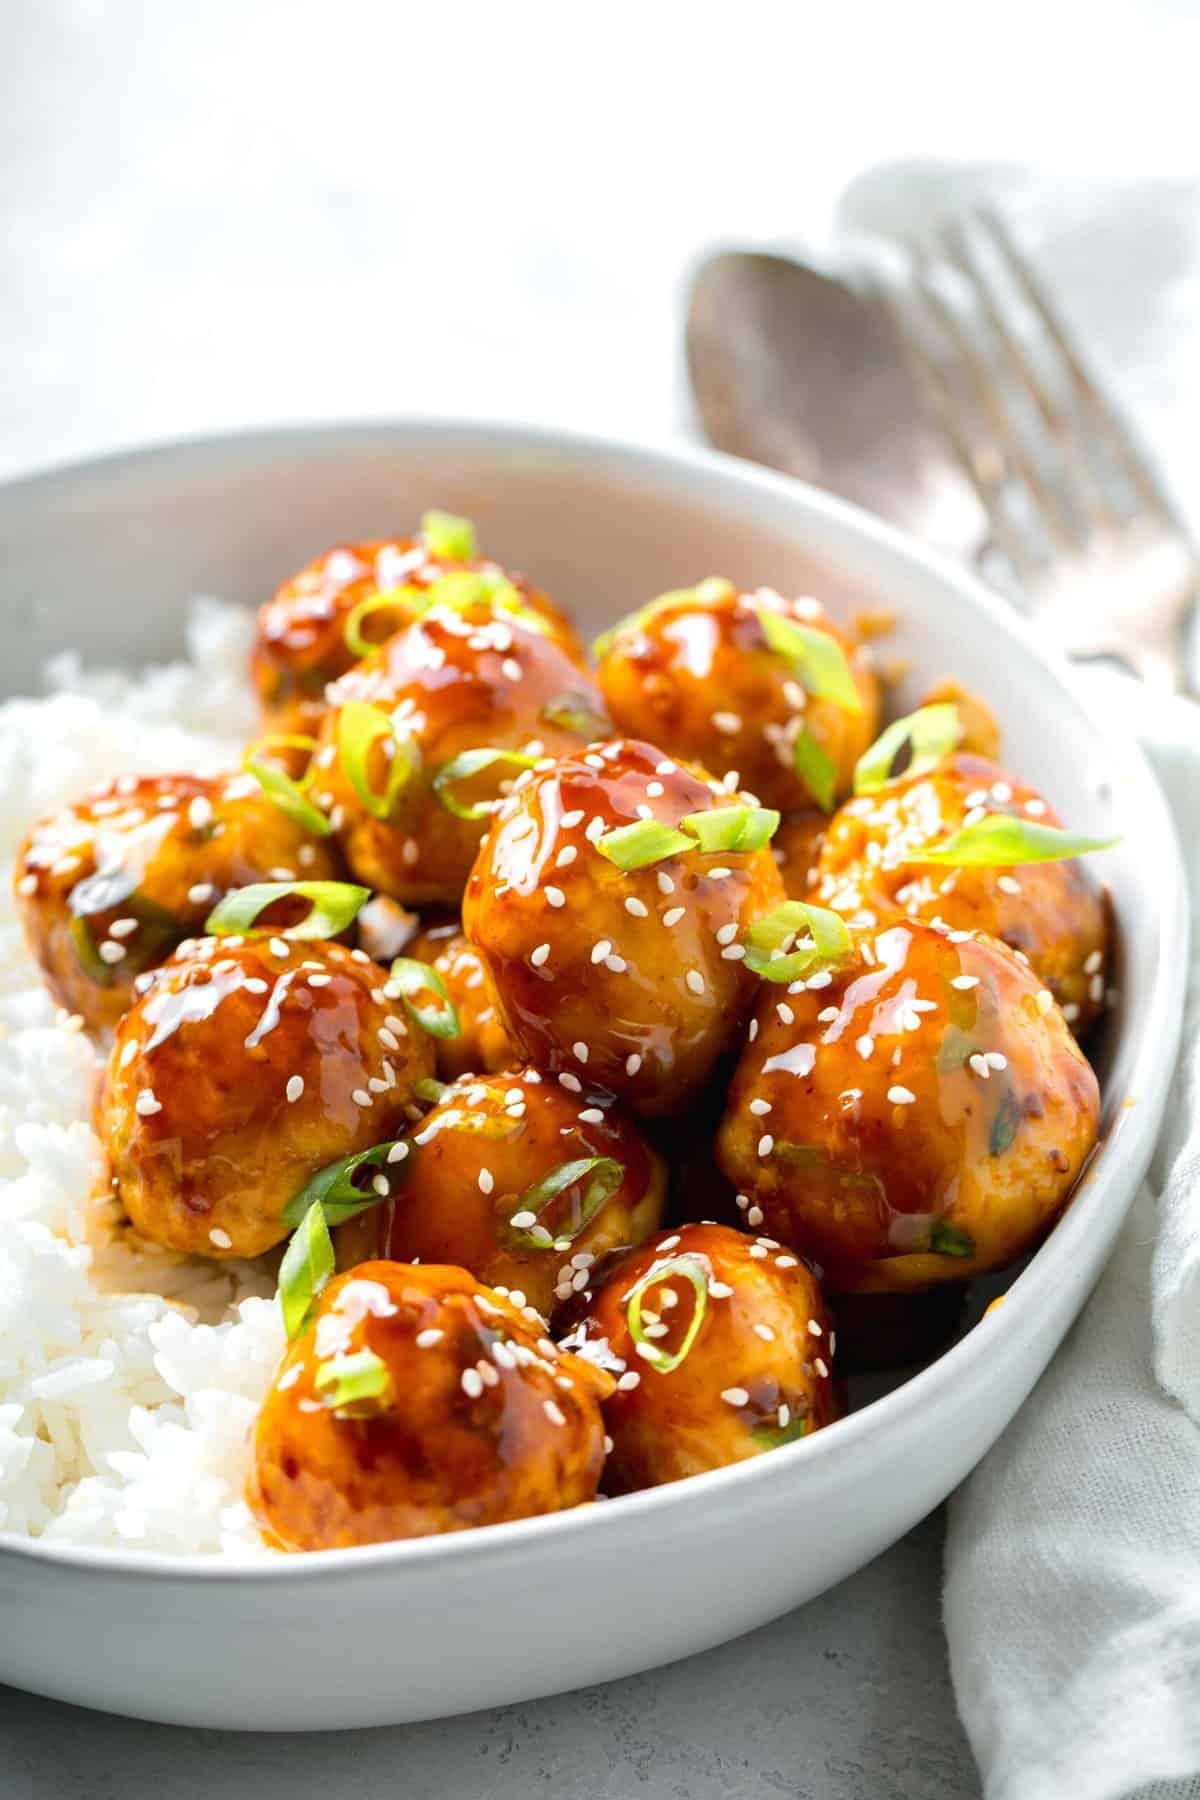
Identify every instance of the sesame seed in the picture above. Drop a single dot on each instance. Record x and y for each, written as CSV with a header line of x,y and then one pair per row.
x,y
643,811
317,981
361,1097
571,1082
654,790
754,1215
814,1328
566,856
254,984
673,915
553,1412
760,1108
1008,884
627,1382
591,1115
964,982
959,937
733,953
279,946
486,1181
734,1396
573,818
147,1103
1035,808
555,896
995,1060
382,1186
665,767
666,883
752,1033
635,907
511,668
865,1046
127,1055
786,1015
719,874
121,928
633,1063
580,1052
200,812
426,1339
695,981
1089,968
719,1290
901,1096
594,829
784,1414
980,1066
827,1015
765,1333
727,933
523,1220
601,949
540,955
1070,1012
1001,793
822,979
766,1144
472,1383
220,1238
727,722
112,953
787,1262
295,1087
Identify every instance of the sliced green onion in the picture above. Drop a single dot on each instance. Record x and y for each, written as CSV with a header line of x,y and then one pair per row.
x,y
948,1240
714,588
414,978
604,1176
404,600
361,1382
463,589
430,1089
769,936
280,788
575,712
360,727
101,892
305,1270
816,770
731,827
931,734
466,764
333,1187
1005,1124
774,1437
333,906
1000,840
665,1361
646,841
818,660
448,537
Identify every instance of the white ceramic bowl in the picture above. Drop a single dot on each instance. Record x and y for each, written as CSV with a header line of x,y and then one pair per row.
x,y
104,557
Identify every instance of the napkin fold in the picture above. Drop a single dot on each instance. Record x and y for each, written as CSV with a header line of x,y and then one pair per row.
x,y
1072,1575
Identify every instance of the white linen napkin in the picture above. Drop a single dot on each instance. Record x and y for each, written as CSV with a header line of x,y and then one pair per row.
x,y
1072,1578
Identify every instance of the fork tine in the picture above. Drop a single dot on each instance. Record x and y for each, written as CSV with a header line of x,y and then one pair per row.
x,y
985,468
1085,492
991,404
1116,434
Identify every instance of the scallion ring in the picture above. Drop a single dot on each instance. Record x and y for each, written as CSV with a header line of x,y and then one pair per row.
x,y
430,1090
359,1384
448,537
1001,841
305,1270
333,906
603,1175
281,789
462,767
334,1188
817,659
931,733
768,939
691,1270
644,842
705,593
575,712
414,980
816,769
360,726
402,600
732,827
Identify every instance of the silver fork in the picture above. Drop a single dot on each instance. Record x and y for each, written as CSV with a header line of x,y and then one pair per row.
x,y
1079,523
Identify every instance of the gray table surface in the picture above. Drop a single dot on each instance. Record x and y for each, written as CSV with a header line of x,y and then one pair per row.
x,y
846,1699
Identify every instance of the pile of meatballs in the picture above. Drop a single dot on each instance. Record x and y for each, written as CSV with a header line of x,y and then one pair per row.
x,y
588,1046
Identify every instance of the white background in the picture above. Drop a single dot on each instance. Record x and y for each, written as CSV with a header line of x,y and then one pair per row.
x,y
224,212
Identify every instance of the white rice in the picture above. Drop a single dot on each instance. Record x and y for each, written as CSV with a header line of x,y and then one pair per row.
x,y
129,1380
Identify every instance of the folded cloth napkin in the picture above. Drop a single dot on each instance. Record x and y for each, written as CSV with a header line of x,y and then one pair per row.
x,y
1072,1596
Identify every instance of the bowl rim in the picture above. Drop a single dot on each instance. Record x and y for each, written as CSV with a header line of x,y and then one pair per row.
x,y
963,1362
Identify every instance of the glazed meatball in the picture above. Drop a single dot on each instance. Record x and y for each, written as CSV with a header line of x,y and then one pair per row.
x,y
484,1187
797,847
917,1115
628,979
473,1416
452,682
246,1066
1049,912
300,641
108,887
721,1347
481,1044
697,671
